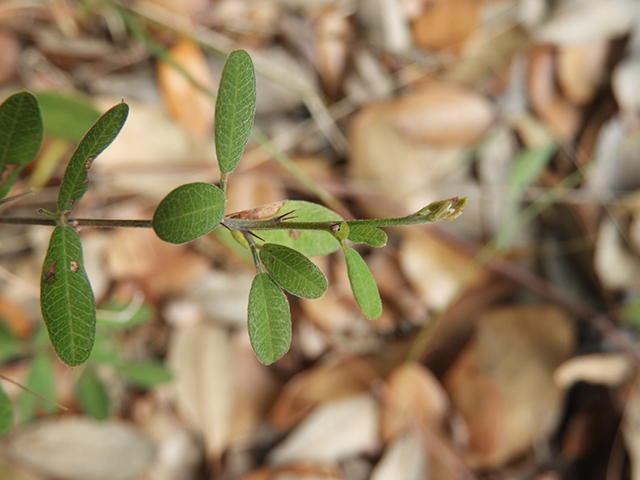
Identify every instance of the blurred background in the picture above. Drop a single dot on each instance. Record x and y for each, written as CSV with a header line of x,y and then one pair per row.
x,y
507,346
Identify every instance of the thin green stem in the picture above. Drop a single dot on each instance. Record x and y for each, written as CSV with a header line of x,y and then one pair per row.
x,y
82,222
328,226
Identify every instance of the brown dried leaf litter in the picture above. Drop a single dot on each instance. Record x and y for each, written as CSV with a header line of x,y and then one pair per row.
x,y
467,372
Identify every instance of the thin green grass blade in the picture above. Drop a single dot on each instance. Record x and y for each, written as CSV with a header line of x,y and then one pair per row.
x,y
269,319
365,289
41,380
6,413
66,299
75,181
526,170
235,109
373,236
308,242
20,137
293,271
188,212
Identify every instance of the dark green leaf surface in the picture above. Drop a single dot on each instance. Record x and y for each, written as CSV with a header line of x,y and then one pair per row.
x,y
188,212
293,271
66,116
365,289
269,319
310,243
66,299
20,137
6,413
75,181
366,234
144,374
93,395
41,380
235,109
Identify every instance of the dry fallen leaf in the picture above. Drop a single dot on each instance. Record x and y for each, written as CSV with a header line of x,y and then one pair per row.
x,y
502,383
163,268
609,369
581,70
442,114
414,399
76,448
560,116
334,431
202,362
435,269
187,104
580,22
446,24
630,427
625,82
10,48
405,458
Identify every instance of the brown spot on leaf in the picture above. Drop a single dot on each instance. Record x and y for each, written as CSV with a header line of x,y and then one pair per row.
x,y
87,164
73,266
50,274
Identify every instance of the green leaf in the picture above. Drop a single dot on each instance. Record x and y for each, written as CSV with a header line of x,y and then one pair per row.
x,y
75,181
66,116
66,299
365,289
188,212
373,236
310,243
20,137
93,395
235,109
6,413
144,374
269,319
41,380
293,271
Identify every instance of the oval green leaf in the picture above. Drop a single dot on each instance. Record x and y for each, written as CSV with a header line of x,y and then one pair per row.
x,y
373,236
365,289
293,271
269,319
66,299
93,395
20,137
188,212
6,413
235,109
75,181
308,242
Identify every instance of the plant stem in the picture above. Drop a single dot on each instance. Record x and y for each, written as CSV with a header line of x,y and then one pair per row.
x,y
329,226
82,222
